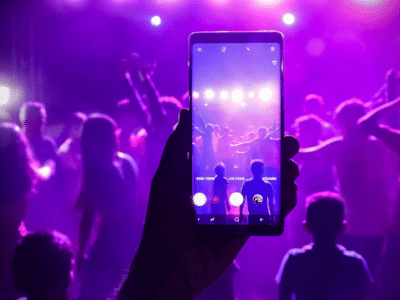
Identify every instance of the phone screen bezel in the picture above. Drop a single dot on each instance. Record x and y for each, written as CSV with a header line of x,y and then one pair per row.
x,y
240,37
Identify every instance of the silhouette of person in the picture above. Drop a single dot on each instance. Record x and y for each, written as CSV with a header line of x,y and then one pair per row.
x,y
108,194
173,260
42,266
17,180
257,193
388,283
219,201
324,270
33,120
363,166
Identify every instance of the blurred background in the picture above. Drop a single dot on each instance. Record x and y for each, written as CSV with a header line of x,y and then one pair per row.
x,y
67,54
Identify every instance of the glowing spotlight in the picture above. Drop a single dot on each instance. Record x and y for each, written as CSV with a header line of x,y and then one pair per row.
x,y
199,199
209,94
265,94
196,95
243,104
155,21
288,19
224,95
236,199
237,95
251,95
4,95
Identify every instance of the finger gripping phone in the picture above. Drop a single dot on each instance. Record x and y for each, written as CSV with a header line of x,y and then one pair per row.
x,y
236,102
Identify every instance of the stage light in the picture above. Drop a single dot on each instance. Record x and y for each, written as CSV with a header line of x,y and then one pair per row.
x,y
4,95
155,21
224,95
251,95
209,94
265,94
199,199
243,104
288,19
236,199
196,95
237,95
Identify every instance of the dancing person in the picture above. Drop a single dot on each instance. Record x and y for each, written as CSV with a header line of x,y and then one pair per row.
x,y
33,120
388,283
174,261
314,105
42,266
258,195
108,193
69,177
324,270
219,202
365,171
17,180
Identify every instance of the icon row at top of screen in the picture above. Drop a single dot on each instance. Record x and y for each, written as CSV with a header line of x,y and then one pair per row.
x,y
223,49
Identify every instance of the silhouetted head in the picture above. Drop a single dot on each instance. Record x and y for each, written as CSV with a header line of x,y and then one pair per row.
x,y
75,125
209,128
313,104
172,107
257,168
308,130
33,116
225,131
262,132
347,115
98,141
125,116
17,174
220,169
325,216
42,266
251,135
217,128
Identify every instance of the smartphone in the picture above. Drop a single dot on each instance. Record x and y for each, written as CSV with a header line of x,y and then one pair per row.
x,y
236,102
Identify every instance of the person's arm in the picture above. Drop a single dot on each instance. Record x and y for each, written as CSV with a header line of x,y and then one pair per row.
x,y
157,111
136,101
389,136
327,150
85,227
174,260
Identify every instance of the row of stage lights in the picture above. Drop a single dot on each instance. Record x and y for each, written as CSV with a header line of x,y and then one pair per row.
x,y
237,96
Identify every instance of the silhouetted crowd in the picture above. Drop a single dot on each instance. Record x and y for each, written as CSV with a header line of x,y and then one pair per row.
x,y
73,207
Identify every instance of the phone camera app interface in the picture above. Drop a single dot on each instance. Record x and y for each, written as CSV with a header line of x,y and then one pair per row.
x,y
236,133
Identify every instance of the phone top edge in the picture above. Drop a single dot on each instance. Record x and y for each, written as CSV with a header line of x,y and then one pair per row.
x,y
236,36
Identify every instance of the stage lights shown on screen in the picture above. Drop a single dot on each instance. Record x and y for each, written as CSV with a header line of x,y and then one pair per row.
x,y
196,95
224,95
237,95
209,94
236,199
265,94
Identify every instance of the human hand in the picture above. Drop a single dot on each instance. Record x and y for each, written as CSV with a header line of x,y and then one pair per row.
x,y
174,260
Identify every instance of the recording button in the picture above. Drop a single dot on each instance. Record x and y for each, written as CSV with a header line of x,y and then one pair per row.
x,y
237,219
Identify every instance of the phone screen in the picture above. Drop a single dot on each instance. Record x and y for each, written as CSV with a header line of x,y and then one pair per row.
x,y
236,132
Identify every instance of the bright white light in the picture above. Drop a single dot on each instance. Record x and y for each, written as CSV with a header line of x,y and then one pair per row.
x,y
199,199
155,21
209,94
224,95
288,19
265,94
243,104
236,199
4,95
196,95
237,95
251,95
